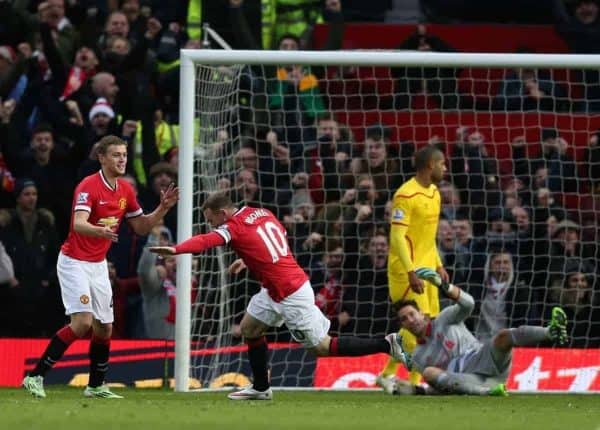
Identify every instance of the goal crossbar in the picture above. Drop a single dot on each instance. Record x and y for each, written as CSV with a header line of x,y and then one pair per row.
x,y
389,58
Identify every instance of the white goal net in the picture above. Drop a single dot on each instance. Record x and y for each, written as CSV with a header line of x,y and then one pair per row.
x,y
323,139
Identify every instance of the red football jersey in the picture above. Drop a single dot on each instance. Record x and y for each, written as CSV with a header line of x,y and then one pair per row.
x,y
260,240
106,206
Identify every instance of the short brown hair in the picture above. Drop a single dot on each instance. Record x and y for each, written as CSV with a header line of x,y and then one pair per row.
x,y
424,155
404,303
107,141
217,201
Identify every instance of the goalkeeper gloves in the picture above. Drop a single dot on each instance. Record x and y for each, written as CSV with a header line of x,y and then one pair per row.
x,y
433,277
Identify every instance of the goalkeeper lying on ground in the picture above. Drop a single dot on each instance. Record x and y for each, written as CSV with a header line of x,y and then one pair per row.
x,y
449,357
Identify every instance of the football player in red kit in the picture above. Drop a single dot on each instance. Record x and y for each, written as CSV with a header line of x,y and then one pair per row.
x,y
286,297
100,203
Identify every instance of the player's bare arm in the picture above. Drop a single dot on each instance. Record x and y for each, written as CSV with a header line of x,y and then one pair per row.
x,y
142,225
162,250
82,226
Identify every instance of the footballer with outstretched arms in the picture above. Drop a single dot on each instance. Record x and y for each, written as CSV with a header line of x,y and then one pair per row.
x,y
286,295
101,201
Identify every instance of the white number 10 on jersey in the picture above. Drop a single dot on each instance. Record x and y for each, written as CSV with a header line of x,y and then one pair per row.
x,y
274,240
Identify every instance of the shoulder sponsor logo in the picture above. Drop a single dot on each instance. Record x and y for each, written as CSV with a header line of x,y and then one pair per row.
x,y
82,198
398,215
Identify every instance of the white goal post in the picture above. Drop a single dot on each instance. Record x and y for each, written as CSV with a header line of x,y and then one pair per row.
x,y
191,142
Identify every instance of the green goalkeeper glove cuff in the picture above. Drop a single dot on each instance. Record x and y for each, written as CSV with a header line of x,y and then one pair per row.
x,y
433,277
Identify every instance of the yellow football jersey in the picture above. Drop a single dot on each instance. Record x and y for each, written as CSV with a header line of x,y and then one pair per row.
x,y
418,210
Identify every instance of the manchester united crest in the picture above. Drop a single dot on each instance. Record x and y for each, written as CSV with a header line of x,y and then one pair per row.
x,y
84,299
122,203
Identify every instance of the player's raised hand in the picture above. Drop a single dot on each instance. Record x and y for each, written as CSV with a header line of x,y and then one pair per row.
x,y
162,250
237,266
169,197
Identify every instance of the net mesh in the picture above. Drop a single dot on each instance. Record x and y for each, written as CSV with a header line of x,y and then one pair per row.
x,y
325,148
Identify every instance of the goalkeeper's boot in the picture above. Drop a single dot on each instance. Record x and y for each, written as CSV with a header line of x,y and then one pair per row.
x,y
35,385
249,393
499,391
386,382
558,326
102,392
396,350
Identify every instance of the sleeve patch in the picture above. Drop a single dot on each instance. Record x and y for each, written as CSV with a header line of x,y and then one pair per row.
x,y
398,215
82,198
223,231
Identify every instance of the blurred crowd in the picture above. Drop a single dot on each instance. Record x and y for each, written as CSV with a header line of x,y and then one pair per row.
x,y
74,71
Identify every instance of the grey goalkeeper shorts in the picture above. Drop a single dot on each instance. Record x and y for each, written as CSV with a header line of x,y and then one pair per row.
x,y
485,363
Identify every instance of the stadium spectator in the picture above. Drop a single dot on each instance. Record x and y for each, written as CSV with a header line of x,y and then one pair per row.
x,y
326,280
29,236
592,163
14,67
125,293
572,288
454,262
136,21
503,300
425,87
473,249
475,175
529,89
288,26
565,244
451,202
327,162
298,223
161,175
52,14
377,162
101,85
7,283
579,29
247,158
560,165
49,164
501,232
157,284
360,219
544,208
366,305
7,180
295,102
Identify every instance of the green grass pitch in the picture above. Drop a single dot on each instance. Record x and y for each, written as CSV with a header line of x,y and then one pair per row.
x,y
67,409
